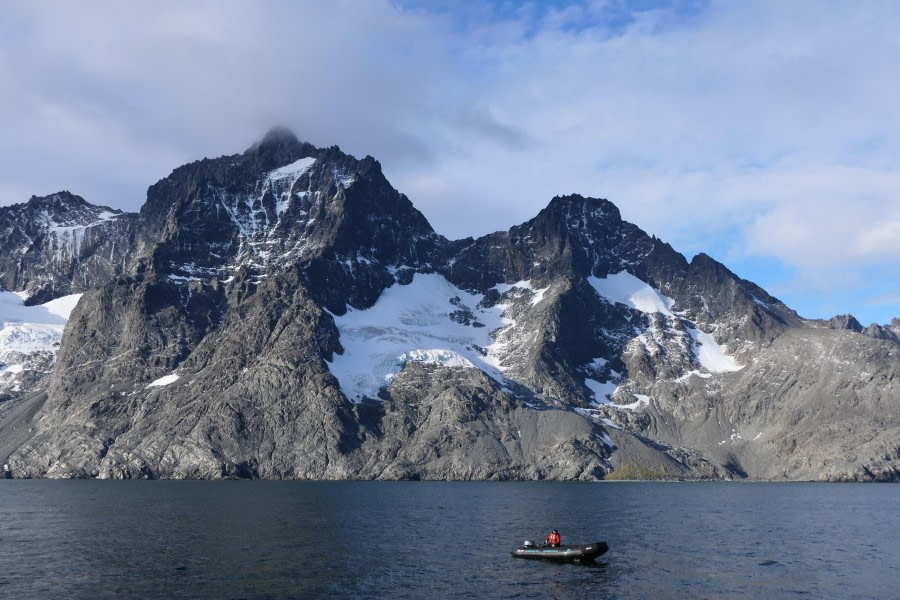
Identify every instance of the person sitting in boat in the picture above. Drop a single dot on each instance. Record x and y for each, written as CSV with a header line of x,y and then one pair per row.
x,y
553,539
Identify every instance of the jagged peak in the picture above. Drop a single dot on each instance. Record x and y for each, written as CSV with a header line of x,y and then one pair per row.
x,y
844,322
63,197
704,260
63,202
579,200
277,148
576,203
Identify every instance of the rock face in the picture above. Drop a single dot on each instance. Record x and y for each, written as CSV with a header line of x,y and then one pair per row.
x,y
60,244
285,313
52,246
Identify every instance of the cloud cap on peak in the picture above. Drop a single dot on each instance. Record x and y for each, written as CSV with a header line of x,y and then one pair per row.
x,y
280,134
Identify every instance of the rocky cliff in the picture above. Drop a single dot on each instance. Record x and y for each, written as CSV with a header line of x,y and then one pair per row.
x,y
285,313
60,244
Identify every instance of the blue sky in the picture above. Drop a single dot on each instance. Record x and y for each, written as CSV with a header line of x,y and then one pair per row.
x,y
766,133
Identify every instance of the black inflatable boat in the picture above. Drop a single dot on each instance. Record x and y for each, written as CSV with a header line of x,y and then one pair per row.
x,y
562,553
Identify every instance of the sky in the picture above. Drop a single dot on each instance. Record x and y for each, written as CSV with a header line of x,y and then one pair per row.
x,y
765,134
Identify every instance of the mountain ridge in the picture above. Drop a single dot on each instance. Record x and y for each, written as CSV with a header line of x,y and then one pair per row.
x,y
227,338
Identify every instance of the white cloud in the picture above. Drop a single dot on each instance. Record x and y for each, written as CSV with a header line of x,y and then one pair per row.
x,y
880,240
766,129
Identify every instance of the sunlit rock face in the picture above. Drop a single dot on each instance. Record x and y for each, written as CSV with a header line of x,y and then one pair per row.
x,y
285,313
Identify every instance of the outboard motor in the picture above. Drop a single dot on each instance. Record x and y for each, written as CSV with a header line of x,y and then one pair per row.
x,y
529,544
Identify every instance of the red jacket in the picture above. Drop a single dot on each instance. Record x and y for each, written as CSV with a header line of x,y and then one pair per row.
x,y
553,539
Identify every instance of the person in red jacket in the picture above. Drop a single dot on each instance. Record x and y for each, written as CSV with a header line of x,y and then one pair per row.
x,y
553,539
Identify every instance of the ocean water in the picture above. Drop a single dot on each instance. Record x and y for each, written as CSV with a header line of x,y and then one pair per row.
x,y
257,539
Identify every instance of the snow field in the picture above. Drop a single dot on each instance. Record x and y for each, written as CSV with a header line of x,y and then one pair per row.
x,y
28,330
281,180
416,322
164,380
710,354
413,323
625,288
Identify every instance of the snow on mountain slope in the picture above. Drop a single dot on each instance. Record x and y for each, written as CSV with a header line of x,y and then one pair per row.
x,y
29,336
250,213
537,293
282,180
668,336
430,320
710,354
627,289
69,237
13,311
601,391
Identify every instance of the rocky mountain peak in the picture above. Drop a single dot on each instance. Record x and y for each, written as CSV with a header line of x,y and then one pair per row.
x,y
62,209
574,205
280,204
51,237
279,147
286,313
575,215
845,322
58,201
889,333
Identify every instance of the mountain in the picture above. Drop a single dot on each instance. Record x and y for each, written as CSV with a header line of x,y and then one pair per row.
x,y
60,244
53,247
286,313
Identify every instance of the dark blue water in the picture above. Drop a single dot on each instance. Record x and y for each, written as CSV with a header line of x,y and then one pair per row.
x,y
241,539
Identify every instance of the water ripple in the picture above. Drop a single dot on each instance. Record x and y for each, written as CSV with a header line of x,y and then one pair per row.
x,y
262,540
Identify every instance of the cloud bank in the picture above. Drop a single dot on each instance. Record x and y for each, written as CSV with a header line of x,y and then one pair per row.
x,y
766,134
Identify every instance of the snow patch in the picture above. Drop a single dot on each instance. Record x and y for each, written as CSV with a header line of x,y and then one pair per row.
x,y
688,375
625,288
733,438
641,401
538,293
293,170
29,335
31,329
601,391
607,441
429,320
282,180
165,380
62,307
55,312
598,363
710,354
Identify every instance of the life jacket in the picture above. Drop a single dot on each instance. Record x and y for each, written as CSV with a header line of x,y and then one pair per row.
x,y
553,539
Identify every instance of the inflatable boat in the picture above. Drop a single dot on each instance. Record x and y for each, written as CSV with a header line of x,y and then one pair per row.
x,y
562,553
